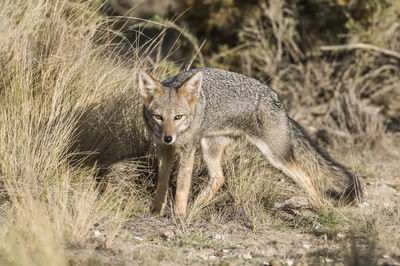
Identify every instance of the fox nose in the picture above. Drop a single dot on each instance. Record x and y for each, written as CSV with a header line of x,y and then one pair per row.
x,y
167,139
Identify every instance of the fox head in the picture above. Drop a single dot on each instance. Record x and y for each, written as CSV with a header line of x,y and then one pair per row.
x,y
168,111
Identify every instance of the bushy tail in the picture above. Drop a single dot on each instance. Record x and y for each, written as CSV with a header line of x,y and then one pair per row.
x,y
328,176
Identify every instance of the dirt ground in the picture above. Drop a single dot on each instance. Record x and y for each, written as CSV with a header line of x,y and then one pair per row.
x,y
367,234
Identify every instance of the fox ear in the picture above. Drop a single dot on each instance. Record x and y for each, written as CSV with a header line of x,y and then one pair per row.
x,y
148,87
191,88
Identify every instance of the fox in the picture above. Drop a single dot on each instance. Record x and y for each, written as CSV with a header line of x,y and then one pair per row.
x,y
212,108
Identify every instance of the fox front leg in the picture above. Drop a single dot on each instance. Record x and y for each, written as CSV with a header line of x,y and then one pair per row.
x,y
184,181
166,159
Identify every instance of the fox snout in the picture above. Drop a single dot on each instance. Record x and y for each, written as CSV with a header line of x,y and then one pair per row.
x,y
168,135
168,139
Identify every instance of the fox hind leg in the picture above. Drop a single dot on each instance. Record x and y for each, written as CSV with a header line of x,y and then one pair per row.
x,y
287,164
273,137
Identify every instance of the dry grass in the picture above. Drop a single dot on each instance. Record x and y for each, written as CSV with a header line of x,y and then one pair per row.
x,y
56,85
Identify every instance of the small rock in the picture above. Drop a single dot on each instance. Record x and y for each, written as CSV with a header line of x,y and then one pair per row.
x,y
96,233
289,262
307,245
168,234
341,235
212,257
366,204
328,260
138,238
225,250
265,263
386,256
218,237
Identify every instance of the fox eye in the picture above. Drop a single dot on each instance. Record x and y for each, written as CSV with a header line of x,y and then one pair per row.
x,y
158,117
178,117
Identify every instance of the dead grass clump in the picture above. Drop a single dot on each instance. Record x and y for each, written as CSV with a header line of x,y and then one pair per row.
x,y
135,179
271,42
348,118
56,84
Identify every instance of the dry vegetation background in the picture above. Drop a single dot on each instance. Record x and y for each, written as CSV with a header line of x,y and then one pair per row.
x,y
76,170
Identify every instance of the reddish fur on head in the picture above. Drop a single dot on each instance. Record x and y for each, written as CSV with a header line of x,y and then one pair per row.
x,y
191,88
148,87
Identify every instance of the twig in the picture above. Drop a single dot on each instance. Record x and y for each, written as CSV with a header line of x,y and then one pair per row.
x,y
361,46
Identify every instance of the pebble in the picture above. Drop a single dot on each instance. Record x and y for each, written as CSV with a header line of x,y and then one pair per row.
x,y
96,233
341,235
328,260
168,234
307,245
218,237
289,262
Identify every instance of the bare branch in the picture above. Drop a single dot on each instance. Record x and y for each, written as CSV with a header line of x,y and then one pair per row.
x,y
361,46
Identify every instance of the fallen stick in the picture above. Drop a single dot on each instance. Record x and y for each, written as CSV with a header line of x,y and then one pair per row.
x,y
361,46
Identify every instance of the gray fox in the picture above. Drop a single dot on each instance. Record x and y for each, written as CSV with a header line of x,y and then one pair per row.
x,y
213,107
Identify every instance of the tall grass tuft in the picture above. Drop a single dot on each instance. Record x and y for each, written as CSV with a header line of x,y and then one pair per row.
x,y
58,82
